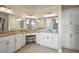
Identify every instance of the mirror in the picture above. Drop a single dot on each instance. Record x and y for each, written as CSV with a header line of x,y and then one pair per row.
x,y
30,23
52,24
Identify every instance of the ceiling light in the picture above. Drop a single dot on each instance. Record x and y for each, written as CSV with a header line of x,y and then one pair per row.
x,y
6,10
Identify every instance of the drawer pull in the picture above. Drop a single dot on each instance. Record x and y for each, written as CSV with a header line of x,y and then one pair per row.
x,y
70,35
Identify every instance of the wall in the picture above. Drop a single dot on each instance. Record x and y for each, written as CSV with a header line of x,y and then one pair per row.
x,y
41,24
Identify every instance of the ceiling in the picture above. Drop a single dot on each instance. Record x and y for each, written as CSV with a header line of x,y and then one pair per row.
x,y
39,10
36,10
37,7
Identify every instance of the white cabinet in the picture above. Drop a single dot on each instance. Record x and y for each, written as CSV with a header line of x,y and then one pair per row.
x,y
66,18
3,45
74,16
70,17
40,38
11,43
55,38
7,44
47,39
20,40
70,28
66,36
75,40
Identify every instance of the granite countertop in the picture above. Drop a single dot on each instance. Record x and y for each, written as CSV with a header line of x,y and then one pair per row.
x,y
31,33
2,34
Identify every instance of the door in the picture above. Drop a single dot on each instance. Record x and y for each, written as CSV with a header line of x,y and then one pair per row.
x,y
75,40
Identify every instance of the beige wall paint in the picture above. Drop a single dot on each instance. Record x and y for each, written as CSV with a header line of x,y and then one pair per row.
x,y
40,24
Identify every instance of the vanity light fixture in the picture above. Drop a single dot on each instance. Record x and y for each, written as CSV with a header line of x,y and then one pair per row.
x,y
50,15
28,16
18,19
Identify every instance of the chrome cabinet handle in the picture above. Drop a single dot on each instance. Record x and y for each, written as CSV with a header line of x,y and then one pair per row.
x,y
70,35
47,37
52,38
7,42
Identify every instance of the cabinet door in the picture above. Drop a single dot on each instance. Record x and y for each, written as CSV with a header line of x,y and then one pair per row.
x,y
49,41
20,41
75,16
52,41
39,38
66,18
44,39
3,46
66,39
11,44
55,39
75,40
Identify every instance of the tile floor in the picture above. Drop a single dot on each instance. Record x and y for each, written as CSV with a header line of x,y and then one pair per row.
x,y
35,48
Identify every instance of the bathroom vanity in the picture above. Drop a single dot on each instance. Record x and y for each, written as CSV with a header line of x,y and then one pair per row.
x,y
47,39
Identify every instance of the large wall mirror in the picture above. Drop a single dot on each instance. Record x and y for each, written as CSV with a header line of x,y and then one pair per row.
x,y
30,23
51,24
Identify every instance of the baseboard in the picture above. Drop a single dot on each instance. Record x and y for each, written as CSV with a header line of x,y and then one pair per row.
x,y
71,49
